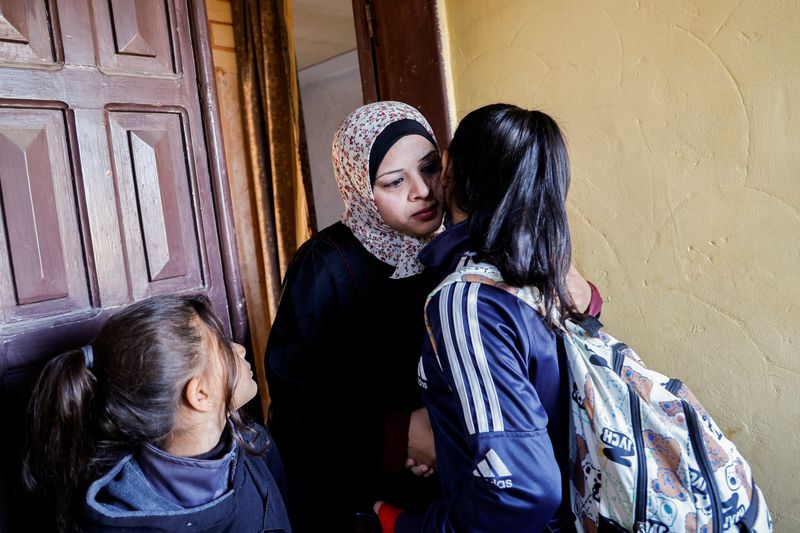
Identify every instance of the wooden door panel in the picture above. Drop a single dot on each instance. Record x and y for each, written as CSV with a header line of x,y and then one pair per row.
x,y
107,194
136,37
154,183
45,272
25,33
102,212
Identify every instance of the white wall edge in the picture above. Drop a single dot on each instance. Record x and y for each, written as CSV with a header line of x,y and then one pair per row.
x,y
447,64
329,67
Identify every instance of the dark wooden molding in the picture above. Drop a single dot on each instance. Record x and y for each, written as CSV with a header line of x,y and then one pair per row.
x,y
400,57
207,89
366,51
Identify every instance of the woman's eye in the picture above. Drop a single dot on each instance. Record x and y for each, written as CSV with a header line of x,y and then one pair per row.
x,y
394,183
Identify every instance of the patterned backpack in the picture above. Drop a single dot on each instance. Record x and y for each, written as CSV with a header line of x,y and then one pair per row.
x,y
645,455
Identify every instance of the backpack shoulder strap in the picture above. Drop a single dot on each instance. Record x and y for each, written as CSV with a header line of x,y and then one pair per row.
x,y
489,275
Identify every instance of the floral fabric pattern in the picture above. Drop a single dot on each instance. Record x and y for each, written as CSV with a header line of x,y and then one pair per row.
x,y
352,143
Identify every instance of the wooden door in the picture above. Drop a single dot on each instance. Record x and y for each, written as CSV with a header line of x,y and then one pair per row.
x,y
400,57
112,183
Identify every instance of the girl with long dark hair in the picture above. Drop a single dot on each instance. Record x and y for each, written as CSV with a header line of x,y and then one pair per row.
x,y
490,375
140,430
344,348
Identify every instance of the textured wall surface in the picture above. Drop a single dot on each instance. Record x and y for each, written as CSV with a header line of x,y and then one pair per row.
x,y
683,120
329,91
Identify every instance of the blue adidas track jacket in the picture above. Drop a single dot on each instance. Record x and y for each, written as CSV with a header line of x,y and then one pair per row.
x,y
496,398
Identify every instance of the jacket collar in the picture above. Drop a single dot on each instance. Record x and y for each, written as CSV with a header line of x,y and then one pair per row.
x,y
188,481
446,250
125,494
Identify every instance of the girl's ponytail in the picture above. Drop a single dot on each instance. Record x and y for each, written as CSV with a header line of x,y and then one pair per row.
x,y
60,436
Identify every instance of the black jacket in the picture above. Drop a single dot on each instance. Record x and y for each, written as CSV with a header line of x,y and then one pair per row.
x,y
342,358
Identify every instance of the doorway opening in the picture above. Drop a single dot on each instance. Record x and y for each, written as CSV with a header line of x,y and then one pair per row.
x,y
351,52
330,87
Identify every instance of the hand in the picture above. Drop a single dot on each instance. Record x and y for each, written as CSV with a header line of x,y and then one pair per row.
x,y
579,289
421,451
420,469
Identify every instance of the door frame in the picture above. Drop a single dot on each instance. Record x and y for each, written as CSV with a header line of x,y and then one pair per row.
x,y
207,88
430,67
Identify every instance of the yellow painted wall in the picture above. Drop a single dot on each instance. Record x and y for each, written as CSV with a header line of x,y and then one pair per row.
x,y
683,122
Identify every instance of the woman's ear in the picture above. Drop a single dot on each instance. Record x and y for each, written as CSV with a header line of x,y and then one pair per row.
x,y
196,394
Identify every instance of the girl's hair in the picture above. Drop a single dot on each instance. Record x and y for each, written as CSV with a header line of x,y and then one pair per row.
x,y
83,420
511,174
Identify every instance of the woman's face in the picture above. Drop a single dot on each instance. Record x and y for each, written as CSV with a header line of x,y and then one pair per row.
x,y
403,190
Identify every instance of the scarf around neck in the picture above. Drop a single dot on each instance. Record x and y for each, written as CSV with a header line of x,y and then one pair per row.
x,y
352,144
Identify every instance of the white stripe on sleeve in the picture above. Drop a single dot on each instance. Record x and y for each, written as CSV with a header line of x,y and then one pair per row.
x,y
466,358
480,358
449,348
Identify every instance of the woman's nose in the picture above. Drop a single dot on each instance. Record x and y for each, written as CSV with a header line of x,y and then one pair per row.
x,y
420,187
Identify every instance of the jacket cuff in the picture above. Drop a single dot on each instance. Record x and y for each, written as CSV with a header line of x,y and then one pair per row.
x,y
388,515
395,442
595,303
408,522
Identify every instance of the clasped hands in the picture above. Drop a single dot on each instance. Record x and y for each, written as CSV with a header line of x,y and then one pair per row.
x,y
421,453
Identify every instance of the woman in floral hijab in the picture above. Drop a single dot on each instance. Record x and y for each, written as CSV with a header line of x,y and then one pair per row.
x,y
344,347
360,146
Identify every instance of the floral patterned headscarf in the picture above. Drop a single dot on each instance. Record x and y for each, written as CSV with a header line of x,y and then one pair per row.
x,y
352,143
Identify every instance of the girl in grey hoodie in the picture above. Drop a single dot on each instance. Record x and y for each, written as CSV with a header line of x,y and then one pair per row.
x,y
140,430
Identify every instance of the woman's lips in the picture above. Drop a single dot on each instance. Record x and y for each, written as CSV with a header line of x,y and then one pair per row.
x,y
426,215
